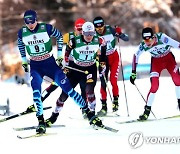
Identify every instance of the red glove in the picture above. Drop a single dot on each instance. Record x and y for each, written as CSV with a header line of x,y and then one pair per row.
x,y
118,30
66,58
102,41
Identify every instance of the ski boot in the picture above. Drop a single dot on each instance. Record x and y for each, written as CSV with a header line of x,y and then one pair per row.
x,y
84,114
96,122
146,113
31,109
41,129
115,104
103,111
93,120
52,119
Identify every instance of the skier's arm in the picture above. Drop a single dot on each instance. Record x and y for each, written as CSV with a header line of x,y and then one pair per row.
x,y
117,31
136,58
103,46
53,32
134,63
101,57
66,38
169,41
21,47
22,50
71,45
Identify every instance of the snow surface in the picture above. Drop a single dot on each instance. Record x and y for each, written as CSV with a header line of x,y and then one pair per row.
x,y
77,136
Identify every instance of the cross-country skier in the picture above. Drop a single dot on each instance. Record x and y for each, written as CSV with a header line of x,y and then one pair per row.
x,y
35,38
85,50
112,62
159,46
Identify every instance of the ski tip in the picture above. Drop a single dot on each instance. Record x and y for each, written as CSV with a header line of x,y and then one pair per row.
x,y
2,120
19,137
110,129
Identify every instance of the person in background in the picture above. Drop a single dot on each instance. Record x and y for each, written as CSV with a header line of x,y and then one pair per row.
x,y
159,46
111,64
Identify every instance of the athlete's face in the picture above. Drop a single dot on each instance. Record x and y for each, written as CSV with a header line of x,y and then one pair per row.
x,y
88,36
149,42
100,30
78,31
32,26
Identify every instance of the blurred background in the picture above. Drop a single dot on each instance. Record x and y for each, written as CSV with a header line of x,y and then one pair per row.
x,y
131,15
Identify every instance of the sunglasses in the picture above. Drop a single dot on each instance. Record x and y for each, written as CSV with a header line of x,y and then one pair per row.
x,y
29,21
148,40
88,33
100,28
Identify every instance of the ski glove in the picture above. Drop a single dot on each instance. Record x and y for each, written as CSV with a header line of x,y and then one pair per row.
x,y
59,61
132,77
103,67
118,30
25,66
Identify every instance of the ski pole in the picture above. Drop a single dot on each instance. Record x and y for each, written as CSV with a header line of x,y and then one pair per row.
x,y
107,88
143,98
123,77
78,70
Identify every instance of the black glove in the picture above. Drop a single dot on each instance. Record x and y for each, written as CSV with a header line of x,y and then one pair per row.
x,y
103,68
59,61
96,121
133,77
66,70
25,66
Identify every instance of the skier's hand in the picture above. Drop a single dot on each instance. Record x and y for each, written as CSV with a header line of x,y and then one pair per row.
x,y
66,70
25,66
133,77
97,61
103,67
59,61
63,63
118,30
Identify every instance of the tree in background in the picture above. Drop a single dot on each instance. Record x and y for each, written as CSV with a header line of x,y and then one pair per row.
x,y
132,15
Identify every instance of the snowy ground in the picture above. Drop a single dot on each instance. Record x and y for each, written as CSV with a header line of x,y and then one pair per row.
x,y
79,137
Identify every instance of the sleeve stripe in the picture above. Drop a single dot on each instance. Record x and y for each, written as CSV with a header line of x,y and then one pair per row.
x,y
59,37
21,47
